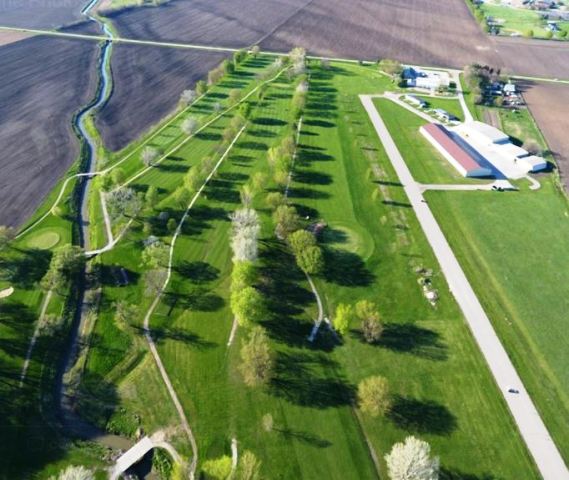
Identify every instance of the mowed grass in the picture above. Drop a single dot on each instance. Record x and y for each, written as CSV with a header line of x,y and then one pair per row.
x,y
194,328
518,270
451,105
426,164
443,391
519,20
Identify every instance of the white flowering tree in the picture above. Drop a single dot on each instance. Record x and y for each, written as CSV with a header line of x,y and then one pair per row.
x,y
245,231
75,473
411,460
190,125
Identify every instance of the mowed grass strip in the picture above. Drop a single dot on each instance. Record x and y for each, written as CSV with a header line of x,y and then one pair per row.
x,y
443,391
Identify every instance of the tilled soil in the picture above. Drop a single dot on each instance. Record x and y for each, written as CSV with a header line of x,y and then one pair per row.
x,y
548,104
148,82
44,81
43,14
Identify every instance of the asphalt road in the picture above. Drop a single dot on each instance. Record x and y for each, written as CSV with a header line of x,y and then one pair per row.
x,y
530,425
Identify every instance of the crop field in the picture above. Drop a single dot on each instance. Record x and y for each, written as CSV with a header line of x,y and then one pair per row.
x,y
548,102
533,57
444,392
226,23
44,81
31,14
148,82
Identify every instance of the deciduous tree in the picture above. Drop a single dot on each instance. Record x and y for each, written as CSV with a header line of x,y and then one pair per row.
x,y
190,125
243,275
75,473
343,318
7,234
249,467
156,255
310,260
286,221
123,202
258,362
219,468
412,460
248,306
149,156
301,240
373,396
368,314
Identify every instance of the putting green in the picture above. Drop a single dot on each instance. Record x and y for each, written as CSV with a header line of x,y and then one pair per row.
x,y
44,240
341,236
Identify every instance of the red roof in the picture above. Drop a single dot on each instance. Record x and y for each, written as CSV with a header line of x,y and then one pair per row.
x,y
443,138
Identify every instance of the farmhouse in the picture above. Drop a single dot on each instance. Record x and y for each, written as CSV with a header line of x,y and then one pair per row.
x,y
495,146
427,79
451,147
418,102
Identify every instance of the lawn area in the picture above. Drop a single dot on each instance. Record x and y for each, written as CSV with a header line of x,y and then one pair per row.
x,y
451,105
518,20
426,164
520,284
429,357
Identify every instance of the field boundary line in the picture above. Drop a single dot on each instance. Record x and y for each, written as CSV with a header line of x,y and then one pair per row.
x,y
146,323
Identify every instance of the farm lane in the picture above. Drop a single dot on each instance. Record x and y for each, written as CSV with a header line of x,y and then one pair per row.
x,y
524,412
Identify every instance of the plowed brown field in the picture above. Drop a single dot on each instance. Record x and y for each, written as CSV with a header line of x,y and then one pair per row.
x,y
44,81
148,82
548,102
43,14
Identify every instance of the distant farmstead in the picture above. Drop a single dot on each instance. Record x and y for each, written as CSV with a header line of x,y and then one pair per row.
x,y
426,79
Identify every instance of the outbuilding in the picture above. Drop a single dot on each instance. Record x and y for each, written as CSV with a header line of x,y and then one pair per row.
x,y
418,102
450,146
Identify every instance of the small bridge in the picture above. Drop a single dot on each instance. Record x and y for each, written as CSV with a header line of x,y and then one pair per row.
x,y
138,451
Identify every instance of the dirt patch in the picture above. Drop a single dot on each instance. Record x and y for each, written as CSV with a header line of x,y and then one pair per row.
x,y
148,82
548,104
230,23
45,14
11,37
44,81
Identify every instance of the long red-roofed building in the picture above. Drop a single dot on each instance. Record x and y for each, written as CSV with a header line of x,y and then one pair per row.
x,y
450,148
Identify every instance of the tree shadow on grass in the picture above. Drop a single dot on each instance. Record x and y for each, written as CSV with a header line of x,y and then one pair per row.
x,y
409,338
423,417
312,177
454,474
200,218
198,299
159,334
198,272
304,437
296,382
25,267
346,268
